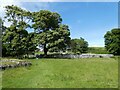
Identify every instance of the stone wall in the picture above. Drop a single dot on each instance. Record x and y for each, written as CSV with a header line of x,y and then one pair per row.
x,y
77,56
6,64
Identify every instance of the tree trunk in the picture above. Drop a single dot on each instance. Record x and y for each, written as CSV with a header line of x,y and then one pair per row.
x,y
45,50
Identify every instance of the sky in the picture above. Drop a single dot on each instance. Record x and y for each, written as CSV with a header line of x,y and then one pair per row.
x,y
90,20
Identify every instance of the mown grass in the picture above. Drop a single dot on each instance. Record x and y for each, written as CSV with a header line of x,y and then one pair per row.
x,y
64,73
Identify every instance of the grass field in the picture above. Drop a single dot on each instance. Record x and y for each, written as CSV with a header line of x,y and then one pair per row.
x,y
64,73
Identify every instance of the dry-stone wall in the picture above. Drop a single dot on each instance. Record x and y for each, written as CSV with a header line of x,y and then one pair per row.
x,y
77,56
5,64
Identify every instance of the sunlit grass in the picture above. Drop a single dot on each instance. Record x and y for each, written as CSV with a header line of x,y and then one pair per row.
x,y
64,73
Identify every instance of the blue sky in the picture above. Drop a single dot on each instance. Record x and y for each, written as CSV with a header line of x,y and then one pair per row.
x,y
90,20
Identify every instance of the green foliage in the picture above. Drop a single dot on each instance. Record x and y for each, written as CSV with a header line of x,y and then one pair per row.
x,y
2,27
112,41
16,40
79,45
45,20
50,33
97,50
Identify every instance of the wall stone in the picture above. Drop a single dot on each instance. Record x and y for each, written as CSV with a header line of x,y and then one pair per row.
x,y
16,63
76,56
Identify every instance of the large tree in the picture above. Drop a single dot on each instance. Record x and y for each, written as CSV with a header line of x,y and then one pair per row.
x,y
112,41
79,45
30,45
51,34
1,29
15,37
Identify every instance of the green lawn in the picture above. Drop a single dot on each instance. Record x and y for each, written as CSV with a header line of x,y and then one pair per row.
x,y
64,73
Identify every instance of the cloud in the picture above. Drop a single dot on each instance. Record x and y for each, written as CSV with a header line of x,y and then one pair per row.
x,y
39,6
40,0
69,0
24,5
4,3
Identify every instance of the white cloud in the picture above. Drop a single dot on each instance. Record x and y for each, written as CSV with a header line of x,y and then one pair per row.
x,y
4,3
69,0
40,0
19,3
38,6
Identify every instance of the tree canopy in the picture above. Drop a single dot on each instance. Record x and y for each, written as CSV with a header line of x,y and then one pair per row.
x,y
50,32
79,45
112,41
15,39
